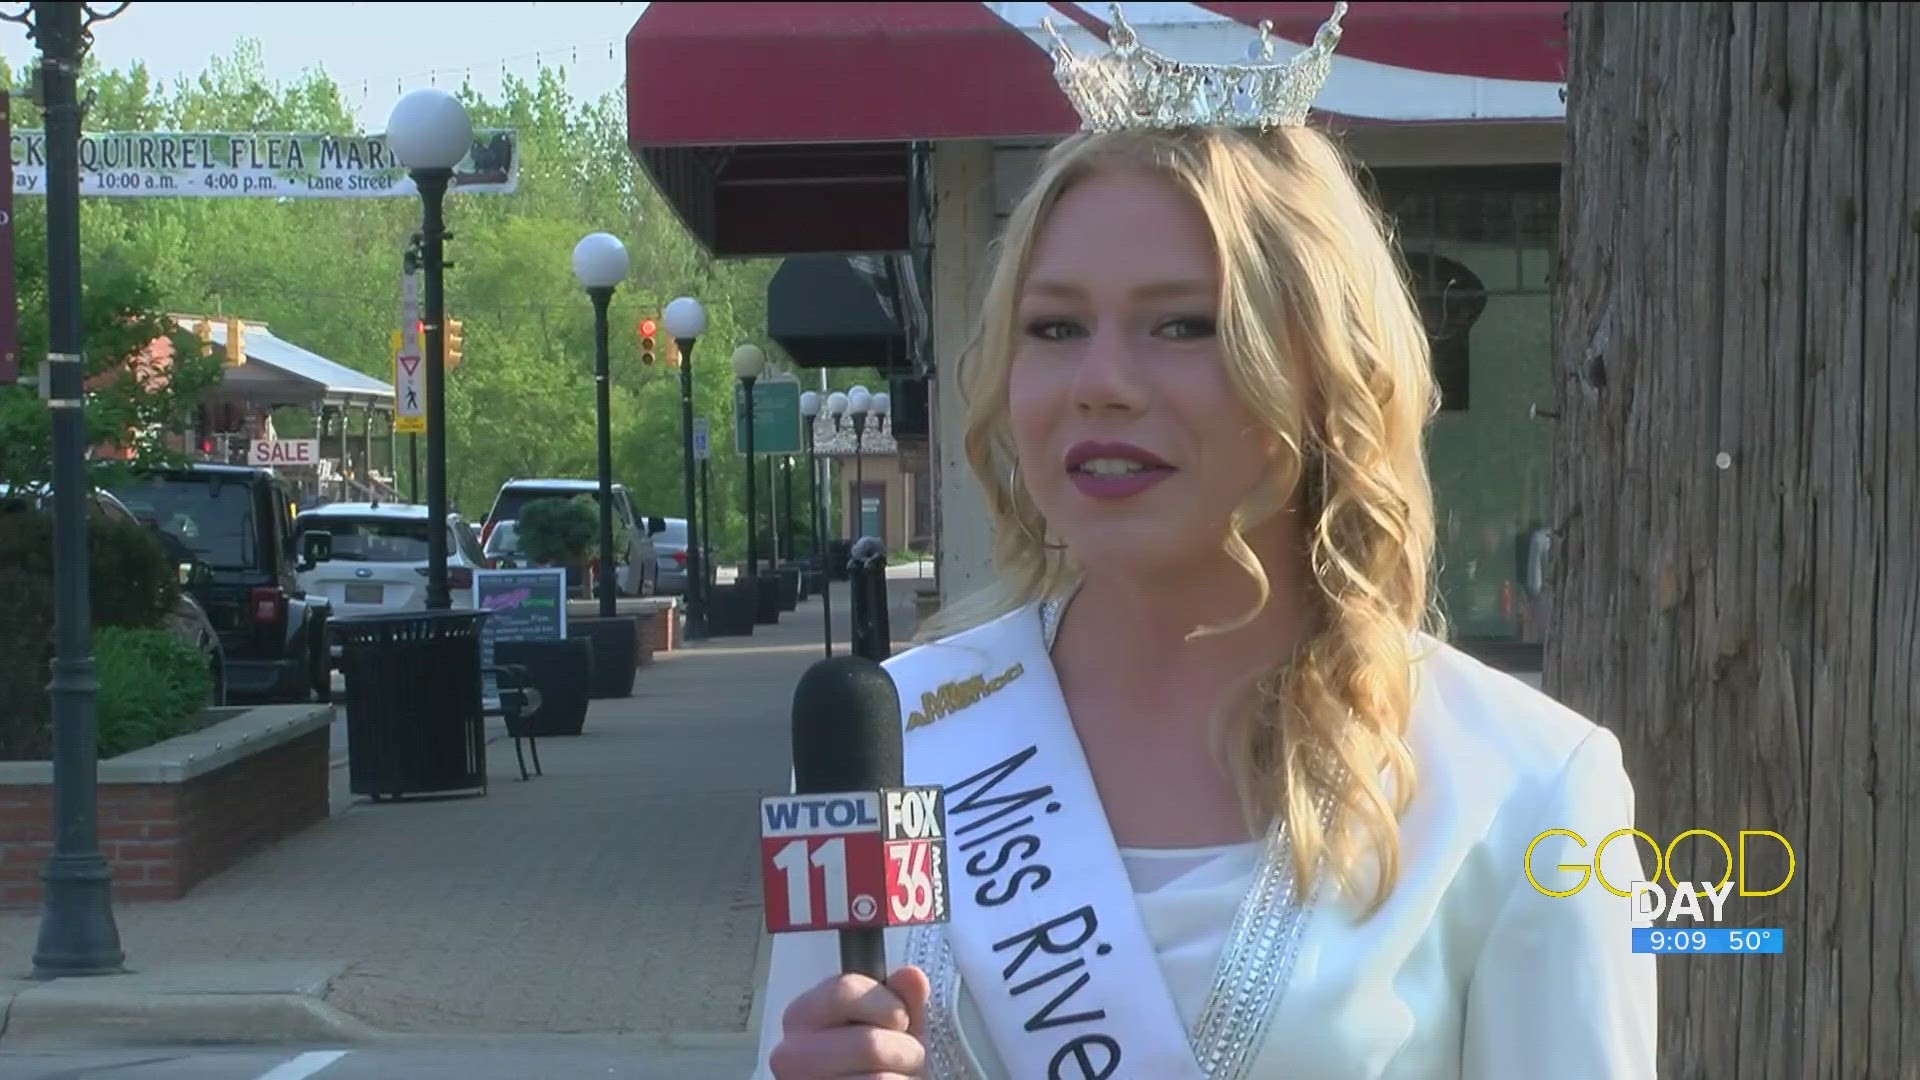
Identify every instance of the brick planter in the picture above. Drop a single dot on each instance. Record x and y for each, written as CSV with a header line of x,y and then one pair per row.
x,y
662,632
178,812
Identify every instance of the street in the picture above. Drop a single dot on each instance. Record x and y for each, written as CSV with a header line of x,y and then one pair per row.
x,y
429,1059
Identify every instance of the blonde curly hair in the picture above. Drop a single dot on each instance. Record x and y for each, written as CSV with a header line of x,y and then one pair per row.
x,y
1308,275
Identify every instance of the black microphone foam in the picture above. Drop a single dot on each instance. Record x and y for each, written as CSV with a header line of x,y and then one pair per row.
x,y
846,739
846,728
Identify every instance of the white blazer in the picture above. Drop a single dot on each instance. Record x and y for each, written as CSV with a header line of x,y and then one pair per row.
x,y
1469,971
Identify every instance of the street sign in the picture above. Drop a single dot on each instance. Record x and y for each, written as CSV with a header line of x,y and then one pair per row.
x,y
409,394
702,445
776,416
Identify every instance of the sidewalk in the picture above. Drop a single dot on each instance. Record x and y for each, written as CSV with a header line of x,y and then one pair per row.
x,y
617,894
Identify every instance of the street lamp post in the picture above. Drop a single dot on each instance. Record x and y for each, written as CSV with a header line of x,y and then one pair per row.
x,y
685,320
859,400
877,408
78,934
748,363
429,132
600,265
836,408
809,412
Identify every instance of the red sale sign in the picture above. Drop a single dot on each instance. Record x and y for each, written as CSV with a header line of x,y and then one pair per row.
x,y
853,861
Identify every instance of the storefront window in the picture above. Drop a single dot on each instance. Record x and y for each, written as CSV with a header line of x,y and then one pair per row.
x,y
1480,244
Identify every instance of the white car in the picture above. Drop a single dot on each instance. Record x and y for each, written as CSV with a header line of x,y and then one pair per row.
x,y
378,562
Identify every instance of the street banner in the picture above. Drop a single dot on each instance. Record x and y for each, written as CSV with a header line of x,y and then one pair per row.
x,y
260,165
9,290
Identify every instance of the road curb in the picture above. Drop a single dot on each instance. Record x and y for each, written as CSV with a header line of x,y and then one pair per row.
x,y
149,1019
238,1005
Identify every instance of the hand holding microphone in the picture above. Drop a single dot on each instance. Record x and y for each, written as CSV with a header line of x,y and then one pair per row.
x,y
849,1025
853,850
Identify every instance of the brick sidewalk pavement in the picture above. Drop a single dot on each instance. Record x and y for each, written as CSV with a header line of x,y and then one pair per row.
x,y
619,893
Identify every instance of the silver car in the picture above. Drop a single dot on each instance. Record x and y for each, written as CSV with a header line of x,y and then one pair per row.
x,y
670,551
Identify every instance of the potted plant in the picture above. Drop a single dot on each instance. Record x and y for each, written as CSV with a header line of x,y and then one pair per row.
x,y
560,532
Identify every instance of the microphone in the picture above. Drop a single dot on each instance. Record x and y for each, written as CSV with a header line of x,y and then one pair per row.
x,y
852,835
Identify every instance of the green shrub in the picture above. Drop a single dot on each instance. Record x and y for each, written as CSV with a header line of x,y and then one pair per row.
x,y
152,684
558,532
26,631
134,581
152,688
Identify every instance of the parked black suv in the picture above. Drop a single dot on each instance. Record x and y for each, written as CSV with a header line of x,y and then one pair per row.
x,y
239,522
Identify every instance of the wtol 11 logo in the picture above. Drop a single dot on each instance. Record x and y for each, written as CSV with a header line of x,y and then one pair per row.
x,y
854,860
1657,910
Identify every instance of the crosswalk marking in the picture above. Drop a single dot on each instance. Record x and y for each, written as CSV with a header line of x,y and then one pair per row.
x,y
303,1066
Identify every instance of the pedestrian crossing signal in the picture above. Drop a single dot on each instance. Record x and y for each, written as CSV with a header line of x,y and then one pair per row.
x,y
647,330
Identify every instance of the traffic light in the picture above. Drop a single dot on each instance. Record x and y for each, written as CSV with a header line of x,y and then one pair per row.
x,y
455,339
204,331
647,340
673,353
236,342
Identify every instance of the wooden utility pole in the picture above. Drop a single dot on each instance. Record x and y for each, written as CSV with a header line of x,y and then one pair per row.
x,y
1737,479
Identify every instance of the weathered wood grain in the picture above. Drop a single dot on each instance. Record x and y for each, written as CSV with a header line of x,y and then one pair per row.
x,y
1737,489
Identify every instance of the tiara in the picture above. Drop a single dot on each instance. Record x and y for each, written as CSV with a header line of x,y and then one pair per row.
x,y
1133,86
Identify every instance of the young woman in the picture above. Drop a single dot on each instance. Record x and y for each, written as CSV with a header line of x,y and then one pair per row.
x,y
1218,803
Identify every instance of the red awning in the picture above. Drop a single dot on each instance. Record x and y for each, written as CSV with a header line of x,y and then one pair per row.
x,y
707,74
774,128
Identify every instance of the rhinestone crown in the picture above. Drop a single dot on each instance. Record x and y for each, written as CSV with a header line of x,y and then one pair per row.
x,y
1132,86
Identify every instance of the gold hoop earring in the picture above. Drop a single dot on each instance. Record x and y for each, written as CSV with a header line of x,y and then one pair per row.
x,y
1013,487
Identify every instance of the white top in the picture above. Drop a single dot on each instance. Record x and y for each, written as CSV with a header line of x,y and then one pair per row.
x,y
1468,972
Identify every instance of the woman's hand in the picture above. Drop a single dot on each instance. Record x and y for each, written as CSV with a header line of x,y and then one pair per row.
x,y
851,1026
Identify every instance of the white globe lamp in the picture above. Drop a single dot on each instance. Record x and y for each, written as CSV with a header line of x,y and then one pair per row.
x,y
684,319
599,261
749,362
429,129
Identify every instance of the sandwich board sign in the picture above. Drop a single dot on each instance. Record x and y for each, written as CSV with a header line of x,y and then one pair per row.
x,y
523,605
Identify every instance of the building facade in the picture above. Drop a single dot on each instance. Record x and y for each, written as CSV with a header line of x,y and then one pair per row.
x,y
1454,111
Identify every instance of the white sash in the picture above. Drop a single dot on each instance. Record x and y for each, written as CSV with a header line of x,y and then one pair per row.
x,y
1044,929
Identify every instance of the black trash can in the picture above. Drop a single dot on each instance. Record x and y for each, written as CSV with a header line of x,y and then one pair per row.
x,y
415,723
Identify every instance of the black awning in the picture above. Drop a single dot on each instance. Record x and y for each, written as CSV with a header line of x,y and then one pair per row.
x,y
836,311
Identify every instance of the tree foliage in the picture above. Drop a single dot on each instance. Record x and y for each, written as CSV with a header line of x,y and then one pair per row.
x,y
325,273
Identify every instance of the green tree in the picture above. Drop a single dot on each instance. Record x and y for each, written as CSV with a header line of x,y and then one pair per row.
x,y
145,375
325,273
